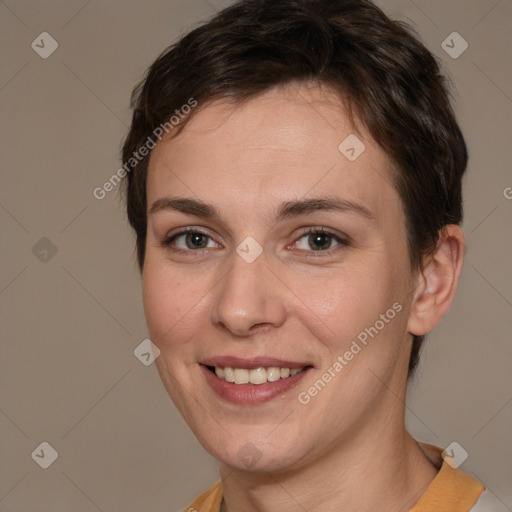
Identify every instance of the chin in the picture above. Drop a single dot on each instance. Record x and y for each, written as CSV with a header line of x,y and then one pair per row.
x,y
257,455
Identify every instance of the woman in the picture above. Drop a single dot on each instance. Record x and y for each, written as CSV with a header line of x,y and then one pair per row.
x,y
294,181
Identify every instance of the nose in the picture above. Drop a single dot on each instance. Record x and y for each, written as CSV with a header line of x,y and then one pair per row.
x,y
249,298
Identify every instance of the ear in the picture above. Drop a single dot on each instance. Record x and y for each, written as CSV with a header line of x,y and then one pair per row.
x,y
437,281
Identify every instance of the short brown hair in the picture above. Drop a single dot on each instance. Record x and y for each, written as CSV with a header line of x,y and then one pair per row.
x,y
389,79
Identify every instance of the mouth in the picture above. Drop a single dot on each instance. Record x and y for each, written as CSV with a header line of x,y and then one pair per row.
x,y
252,381
255,376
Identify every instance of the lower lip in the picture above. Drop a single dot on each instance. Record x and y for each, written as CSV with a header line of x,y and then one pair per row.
x,y
251,393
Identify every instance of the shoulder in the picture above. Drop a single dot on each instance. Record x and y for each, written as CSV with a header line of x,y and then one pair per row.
x,y
451,488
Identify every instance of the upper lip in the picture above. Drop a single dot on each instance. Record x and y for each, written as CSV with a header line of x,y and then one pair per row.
x,y
251,363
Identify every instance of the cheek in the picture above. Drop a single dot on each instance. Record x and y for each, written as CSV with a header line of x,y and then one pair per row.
x,y
175,306
346,301
343,311
161,305
164,300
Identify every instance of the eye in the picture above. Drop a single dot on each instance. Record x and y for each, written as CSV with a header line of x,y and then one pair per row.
x,y
319,240
190,239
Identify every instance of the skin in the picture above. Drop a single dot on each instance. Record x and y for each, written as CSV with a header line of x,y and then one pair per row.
x,y
246,160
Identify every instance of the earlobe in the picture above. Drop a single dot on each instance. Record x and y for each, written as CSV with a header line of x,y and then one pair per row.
x,y
437,282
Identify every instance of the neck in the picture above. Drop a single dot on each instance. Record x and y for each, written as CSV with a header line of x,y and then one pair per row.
x,y
371,469
391,478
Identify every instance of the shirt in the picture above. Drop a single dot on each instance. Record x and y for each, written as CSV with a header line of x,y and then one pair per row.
x,y
450,491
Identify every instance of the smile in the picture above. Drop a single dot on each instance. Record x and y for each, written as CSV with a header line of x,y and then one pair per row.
x,y
253,381
255,376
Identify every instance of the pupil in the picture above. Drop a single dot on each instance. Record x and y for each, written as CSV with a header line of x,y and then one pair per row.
x,y
196,240
320,240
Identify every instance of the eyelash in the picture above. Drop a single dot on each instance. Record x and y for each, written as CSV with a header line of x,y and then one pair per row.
x,y
166,242
343,242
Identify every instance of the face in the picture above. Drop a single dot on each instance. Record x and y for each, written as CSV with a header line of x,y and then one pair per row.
x,y
274,260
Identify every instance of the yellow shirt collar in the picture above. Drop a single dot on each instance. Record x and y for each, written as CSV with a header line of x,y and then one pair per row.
x,y
450,490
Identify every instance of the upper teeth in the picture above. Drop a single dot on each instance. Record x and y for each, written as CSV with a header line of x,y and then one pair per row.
x,y
255,376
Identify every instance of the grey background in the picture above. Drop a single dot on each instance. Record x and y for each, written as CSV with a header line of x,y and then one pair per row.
x,y
71,320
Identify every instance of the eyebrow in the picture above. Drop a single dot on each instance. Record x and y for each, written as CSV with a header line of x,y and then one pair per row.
x,y
286,210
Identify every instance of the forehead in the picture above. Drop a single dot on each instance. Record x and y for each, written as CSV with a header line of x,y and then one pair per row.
x,y
285,142
290,117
